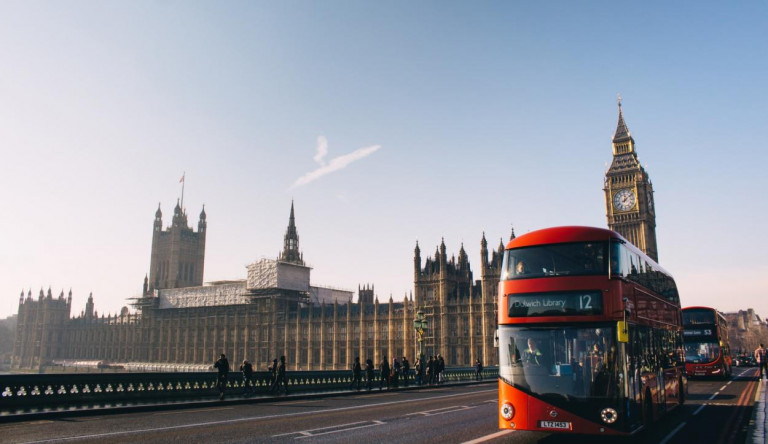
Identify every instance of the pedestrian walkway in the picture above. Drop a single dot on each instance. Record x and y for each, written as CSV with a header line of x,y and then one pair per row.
x,y
759,422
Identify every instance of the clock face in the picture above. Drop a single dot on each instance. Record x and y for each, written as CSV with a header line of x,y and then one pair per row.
x,y
624,200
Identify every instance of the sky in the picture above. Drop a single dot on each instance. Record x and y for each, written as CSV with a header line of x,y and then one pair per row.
x,y
386,123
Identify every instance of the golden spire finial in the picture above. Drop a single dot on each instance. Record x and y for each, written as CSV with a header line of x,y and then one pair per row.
x,y
618,99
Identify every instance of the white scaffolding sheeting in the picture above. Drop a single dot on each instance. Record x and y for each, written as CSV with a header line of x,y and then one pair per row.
x,y
271,274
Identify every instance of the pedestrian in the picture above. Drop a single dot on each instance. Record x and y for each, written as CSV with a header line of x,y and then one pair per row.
x,y
280,378
431,370
418,368
760,357
406,370
247,370
384,368
222,365
478,369
272,372
356,374
396,369
440,369
369,373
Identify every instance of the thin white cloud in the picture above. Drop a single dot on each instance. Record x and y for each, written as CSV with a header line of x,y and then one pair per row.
x,y
335,164
322,150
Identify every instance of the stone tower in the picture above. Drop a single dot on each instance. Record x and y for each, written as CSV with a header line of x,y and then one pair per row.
x,y
443,291
178,253
629,194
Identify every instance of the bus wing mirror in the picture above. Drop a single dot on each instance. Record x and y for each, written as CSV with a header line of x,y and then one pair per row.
x,y
622,331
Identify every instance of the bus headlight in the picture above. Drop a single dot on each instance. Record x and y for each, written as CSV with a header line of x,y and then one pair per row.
x,y
507,411
609,415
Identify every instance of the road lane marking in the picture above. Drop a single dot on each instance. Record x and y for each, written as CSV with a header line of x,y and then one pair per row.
x,y
723,387
733,420
332,429
699,409
250,418
440,411
672,433
187,411
713,396
375,423
489,437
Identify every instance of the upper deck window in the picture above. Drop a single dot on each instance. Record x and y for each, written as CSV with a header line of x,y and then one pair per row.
x,y
571,259
696,317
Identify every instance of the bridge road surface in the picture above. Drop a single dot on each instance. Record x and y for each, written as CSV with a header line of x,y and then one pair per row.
x,y
716,412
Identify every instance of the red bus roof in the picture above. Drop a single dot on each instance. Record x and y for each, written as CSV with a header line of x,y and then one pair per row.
x,y
557,235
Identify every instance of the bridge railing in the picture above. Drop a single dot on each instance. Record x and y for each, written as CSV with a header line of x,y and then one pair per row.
x,y
37,392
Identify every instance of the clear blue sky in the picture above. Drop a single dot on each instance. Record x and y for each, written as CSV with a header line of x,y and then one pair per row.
x,y
454,118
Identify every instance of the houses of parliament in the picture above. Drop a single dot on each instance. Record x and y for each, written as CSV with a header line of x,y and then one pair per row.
x,y
179,321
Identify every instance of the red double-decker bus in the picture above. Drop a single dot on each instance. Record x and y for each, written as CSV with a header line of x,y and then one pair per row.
x,y
707,349
590,334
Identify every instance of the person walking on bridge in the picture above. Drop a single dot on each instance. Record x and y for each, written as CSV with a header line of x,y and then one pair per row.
x,y
280,377
222,365
247,369
384,368
357,374
762,360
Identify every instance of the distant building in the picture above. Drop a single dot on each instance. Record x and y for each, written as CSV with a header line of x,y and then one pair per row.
x,y
274,311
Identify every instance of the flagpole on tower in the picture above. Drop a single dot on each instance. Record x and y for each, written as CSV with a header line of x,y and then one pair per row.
x,y
182,190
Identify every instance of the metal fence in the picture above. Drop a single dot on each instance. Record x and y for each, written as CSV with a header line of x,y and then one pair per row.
x,y
61,391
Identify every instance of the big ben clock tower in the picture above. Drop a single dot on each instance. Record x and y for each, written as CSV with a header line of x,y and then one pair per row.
x,y
629,194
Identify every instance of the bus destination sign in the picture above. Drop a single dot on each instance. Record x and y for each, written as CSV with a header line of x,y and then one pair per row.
x,y
578,303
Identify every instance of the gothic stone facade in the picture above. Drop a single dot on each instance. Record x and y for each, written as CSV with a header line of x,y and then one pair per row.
x,y
260,321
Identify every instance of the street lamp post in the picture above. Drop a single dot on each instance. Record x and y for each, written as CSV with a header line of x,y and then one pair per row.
x,y
420,325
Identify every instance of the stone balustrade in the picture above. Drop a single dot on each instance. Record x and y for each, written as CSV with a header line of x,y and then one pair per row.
x,y
44,392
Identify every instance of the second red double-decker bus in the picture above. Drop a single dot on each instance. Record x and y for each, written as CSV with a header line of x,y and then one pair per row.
x,y
590,334
707,349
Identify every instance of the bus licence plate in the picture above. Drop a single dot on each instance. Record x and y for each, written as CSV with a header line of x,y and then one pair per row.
x,y
555,425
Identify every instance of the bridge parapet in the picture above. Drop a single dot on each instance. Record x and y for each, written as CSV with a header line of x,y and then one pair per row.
x,y
41,392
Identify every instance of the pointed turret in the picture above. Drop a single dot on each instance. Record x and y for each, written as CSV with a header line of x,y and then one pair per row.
x,y
463,259
291,242
623,143
89,313
512,235
622,133
179,216
158,219
416,260
202,223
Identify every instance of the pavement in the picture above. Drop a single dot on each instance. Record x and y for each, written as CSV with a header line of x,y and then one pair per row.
x,y
758,424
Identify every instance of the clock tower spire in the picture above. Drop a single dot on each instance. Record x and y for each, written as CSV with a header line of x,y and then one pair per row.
x,y
629,193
